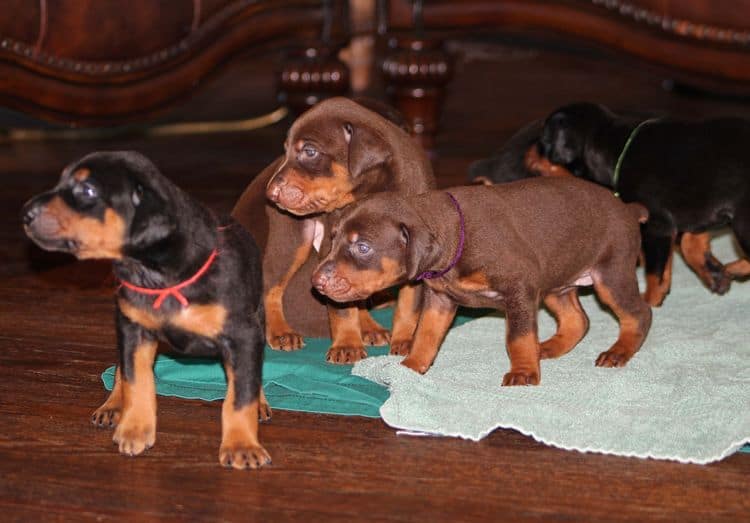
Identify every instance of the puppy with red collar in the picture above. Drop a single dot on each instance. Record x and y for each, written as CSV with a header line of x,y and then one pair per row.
x,y
508,247
188,278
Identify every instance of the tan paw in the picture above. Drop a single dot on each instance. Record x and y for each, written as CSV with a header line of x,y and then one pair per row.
x,y
264,411
346,354
132,438
521,378
400,347
243,456
376,337
106,417
415,365
613,358
285,341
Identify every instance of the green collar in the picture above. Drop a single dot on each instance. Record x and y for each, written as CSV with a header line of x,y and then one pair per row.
x,y
618,165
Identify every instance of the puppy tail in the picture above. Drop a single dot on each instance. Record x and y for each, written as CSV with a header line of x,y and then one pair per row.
x,y
639,212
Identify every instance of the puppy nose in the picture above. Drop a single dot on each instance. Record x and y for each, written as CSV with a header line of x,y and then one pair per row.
x,y
273,191
322,275
29,213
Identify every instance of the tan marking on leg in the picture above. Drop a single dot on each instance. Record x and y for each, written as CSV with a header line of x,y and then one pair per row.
x,y
739,268
264,409
523,352
204,320
657,288
432,328
631,332
279,335
572,324
696,249
347,346
143,317
240,447
405,320
136,431
373,333
108,415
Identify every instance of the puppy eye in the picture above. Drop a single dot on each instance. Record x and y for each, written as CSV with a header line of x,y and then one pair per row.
x,y
85,191
309,151
362,248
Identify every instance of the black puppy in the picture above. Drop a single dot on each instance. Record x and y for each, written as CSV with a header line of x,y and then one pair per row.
x,y
518,158
180,270
692,176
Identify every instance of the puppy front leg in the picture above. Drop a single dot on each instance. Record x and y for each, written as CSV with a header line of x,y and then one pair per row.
x,y
436,318
522,340
136,430
347,344
406,318
243,404
276,277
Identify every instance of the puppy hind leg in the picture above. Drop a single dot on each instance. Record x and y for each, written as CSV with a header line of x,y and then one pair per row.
x,y
657,254
108,415
572,324
696,249
617,287
740,269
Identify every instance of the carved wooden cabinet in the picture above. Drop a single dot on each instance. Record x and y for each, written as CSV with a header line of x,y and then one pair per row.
x,y
107,61
704,42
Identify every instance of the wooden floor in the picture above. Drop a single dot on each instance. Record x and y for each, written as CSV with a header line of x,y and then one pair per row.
x,y
57,335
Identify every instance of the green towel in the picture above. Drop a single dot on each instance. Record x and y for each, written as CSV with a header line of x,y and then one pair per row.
x,y
685,396
300,380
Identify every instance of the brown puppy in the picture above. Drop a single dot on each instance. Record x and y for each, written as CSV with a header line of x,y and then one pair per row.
x,y
336,153
507,247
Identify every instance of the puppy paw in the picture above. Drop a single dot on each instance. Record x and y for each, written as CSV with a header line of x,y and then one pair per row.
x,y
376,337
613,358
416,365
132,438
238,456
106,416
264,411
286,341
521,377
345,354
400,347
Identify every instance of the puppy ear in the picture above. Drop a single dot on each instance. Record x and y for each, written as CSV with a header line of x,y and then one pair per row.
x,y
367,149
420,249
152,221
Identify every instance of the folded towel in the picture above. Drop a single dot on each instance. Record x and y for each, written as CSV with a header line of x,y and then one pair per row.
x,y
685,396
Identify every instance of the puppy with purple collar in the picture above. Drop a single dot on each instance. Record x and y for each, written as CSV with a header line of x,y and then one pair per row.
x,y
509,247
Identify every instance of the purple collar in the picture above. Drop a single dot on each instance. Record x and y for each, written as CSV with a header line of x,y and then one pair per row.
x,y
429,275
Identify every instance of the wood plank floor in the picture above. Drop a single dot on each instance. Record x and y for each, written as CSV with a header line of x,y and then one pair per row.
x,y
57,335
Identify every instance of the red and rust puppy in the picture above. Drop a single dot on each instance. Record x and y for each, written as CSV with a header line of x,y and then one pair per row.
x,y
692,177
507,247
336,153
180,269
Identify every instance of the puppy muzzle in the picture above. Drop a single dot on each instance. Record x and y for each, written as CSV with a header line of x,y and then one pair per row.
x,y
328,282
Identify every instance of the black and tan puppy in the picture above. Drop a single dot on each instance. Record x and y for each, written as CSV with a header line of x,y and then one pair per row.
x,y
692,177
187,278
336,153
508,247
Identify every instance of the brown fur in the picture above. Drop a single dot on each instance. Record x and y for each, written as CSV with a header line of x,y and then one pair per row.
x,y
524,242
377,156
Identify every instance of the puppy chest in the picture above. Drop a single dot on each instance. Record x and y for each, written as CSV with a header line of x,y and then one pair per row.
x,y
204,320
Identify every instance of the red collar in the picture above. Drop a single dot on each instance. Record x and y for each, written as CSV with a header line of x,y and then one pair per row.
x,y
174,290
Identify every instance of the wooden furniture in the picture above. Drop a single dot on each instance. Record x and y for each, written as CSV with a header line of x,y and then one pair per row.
x,y
702,42
109,61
